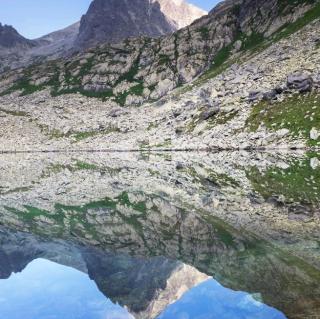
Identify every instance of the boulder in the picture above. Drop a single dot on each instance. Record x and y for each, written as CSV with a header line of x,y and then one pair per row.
x,y
314,163
316,81
270,95
314,134
209,112
237,45
134,100
300,81
254,96
204,93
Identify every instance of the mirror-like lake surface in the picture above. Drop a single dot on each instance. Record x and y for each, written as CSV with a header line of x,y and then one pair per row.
x,y
169,235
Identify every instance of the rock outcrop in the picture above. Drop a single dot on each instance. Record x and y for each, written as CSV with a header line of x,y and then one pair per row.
x,y
113,21
13,46
10,39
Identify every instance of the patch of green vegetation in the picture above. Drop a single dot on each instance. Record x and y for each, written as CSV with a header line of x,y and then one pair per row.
x,y
80,165
210,178
222,118
204,31
84,135
152,126
79,220
79,136
135,90
164,59
252,41
144,145
99,95
14,113
86,67
222,230
16,190
299,114
30,213
222,179
153,172
166,144
123,199
293,27
297,183
24,86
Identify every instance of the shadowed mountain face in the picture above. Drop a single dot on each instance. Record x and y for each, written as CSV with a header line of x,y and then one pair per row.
x,y
115,20
11,39
239,218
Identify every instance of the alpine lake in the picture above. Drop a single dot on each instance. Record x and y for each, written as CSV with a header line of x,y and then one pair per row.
x,y
167,235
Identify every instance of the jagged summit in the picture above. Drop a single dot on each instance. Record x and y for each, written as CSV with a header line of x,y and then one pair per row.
x,y
115,20
10,38
107,21
180,12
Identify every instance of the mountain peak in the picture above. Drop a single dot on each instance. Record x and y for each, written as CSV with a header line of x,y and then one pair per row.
x,y
115,20
180,12
10,38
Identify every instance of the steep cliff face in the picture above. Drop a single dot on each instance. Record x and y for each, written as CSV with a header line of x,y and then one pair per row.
x,y
11,39
115,20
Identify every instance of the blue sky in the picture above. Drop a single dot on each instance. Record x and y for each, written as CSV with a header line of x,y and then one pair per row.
x,y
34,18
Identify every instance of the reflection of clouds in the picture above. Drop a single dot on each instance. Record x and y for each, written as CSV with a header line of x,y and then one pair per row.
x,y
210,300
46,290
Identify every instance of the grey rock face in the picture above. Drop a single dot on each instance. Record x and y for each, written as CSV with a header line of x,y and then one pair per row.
x,y
16,51
115,20
10,38
300,81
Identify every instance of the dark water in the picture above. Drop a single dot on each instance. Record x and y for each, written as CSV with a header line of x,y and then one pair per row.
x,y
188,235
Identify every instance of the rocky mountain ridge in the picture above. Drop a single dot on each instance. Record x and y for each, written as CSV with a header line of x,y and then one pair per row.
x,y
105,21
140,69
263,96
10,39
113,21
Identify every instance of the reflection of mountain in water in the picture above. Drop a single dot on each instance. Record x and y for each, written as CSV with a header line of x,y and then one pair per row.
x,y
181,209
144,285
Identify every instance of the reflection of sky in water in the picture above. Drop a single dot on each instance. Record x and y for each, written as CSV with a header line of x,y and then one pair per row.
x,y
210,300
46,290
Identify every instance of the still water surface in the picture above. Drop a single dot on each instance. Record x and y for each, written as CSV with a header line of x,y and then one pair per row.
x,y
112,236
